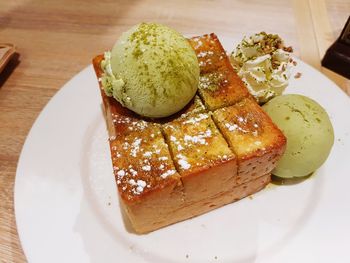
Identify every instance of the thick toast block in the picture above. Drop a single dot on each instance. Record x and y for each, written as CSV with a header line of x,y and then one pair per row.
x,y
144,171
210,53
253,137
142,163
201,155
171,169
219,85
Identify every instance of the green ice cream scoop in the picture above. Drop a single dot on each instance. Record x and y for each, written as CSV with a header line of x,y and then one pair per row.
x,y
152,70
308,130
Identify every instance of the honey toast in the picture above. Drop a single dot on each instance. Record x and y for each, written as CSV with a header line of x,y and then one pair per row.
x,y
220,148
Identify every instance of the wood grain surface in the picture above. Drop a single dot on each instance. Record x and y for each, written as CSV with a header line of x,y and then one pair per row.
x,y
57,39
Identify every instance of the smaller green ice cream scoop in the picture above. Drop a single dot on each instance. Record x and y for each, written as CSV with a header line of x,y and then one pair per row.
x,y
152,70
308,130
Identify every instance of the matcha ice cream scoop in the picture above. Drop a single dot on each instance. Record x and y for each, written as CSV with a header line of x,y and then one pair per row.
x,y
308,130
152,70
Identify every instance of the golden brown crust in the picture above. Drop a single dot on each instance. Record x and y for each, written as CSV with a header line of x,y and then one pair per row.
x,y
253,137
155,210
142,164
210,53
170,208
219,85
195,142
206,164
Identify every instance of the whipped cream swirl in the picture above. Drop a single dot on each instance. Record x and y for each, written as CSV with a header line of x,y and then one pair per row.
x,y
263,63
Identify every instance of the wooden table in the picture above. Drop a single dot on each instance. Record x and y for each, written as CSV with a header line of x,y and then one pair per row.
x,y
57,39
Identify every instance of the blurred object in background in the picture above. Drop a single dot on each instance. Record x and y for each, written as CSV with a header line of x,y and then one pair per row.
x,y
6,52
337,57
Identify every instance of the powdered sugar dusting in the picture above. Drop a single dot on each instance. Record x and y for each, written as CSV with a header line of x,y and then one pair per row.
x,y
182,161
146,168
130,123
198,139
167,173
231,127
196,118
140,160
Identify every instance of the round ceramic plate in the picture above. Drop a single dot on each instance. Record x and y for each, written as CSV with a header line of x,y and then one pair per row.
x,y
67,208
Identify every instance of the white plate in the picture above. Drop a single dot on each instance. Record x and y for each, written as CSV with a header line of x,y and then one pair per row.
x,y
67,208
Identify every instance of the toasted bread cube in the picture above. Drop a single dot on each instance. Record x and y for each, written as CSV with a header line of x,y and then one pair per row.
x,y
201,155
144,171
141,156
219,85
221,88
254,138
211,55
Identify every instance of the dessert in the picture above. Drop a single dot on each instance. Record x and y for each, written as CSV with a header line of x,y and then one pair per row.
x,y
175,168
263,63
219,85
151,70
308,130
255,140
